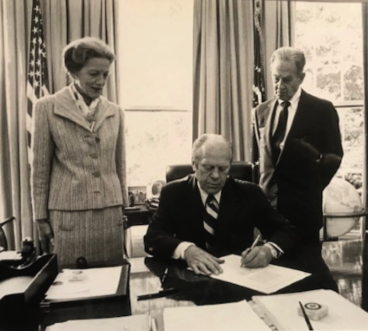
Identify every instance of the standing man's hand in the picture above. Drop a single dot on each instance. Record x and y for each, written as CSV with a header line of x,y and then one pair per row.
x,y
304,149
202,262
46,236
258,257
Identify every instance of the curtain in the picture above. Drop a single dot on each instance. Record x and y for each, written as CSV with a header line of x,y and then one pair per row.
x,y
63,21
365,67
279,16
223,71
67,20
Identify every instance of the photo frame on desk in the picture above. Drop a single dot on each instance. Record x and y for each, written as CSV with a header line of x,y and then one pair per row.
x,y
137,195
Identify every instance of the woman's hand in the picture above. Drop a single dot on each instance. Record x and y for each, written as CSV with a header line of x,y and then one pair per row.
x,y
46,235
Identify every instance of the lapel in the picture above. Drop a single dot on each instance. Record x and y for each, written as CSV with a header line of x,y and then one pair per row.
x,y
66,107
229,208
269,127
300,116
105,110
299,121
196,207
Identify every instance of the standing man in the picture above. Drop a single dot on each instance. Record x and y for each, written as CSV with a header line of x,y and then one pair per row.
x,y
299,145
209,214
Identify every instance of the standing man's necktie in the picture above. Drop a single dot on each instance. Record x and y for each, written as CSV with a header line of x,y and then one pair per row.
x,y
210,220
280,129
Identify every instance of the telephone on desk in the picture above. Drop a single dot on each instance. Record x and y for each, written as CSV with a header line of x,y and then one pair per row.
x,y
26,256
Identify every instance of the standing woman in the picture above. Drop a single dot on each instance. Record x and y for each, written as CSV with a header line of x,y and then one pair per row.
x,y
78,171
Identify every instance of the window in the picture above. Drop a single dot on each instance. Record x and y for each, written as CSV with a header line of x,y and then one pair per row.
x,y
155,139
331,36
156,74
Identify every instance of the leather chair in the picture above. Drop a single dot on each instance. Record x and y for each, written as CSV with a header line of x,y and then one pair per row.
x,y
239,170
3,240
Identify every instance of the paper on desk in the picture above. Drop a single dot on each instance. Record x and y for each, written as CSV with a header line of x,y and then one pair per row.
x,y
10,255
98,282
237,316
125,323
265,280
282,309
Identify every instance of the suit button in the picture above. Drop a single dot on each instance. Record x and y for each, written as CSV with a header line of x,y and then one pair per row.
x,y
96,174
93,156
97,140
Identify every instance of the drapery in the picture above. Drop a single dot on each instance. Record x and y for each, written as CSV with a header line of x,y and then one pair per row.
x,y
223,71
63,21
365,79
279,23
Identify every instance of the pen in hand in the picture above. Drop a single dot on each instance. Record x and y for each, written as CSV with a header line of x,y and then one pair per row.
x,y
251,247
306,318
164,276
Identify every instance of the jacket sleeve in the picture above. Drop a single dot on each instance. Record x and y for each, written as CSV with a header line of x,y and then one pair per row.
x,y
255,137
332,151
160,239
121,159
43,152
273,226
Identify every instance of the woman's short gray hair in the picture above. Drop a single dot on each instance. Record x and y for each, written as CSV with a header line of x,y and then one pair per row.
x,y
78,52
290,54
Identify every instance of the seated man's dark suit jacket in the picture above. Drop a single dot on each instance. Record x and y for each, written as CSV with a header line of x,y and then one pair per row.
x,y
295,181
243,206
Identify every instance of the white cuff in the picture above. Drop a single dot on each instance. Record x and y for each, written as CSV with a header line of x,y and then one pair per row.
x,y
273,246
180,250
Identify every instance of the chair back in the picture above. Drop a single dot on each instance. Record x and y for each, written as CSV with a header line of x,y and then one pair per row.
x,y
3,240
239,170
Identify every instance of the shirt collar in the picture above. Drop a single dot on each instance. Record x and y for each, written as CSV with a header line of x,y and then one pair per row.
x,y
204,194
295,99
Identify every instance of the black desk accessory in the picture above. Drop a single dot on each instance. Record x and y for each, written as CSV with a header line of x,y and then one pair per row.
x,y
159,294
30,283
114,305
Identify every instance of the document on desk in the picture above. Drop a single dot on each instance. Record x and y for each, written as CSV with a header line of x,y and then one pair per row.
x,y
126,323
282,310
71,284
238,316
265,280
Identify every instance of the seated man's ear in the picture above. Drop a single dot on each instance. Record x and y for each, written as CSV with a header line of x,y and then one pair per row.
x,y
194,165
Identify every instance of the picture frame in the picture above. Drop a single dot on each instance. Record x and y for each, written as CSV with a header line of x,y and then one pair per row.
x,y
137,195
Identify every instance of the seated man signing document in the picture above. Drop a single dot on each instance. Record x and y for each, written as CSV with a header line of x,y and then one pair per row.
x,y
209,214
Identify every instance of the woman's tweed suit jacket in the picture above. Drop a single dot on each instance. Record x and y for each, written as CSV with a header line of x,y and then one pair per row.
x,y
74,168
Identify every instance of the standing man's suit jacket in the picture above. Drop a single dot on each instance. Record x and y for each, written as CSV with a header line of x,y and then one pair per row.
x,y
243,206
295,182
75,168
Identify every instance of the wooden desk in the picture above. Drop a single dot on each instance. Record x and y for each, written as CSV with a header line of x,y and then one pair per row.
x,y
140,216
194,290
142,281
200,290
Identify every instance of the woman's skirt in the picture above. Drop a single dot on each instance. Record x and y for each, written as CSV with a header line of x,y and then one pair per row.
x,y
97,235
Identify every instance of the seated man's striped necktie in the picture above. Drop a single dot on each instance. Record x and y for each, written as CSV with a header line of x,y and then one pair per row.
x,y
210,220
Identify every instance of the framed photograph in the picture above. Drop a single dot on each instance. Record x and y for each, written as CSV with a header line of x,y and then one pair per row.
x,y
137,195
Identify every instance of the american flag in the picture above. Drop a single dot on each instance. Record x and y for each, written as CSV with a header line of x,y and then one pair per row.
x,y
37,85
259,92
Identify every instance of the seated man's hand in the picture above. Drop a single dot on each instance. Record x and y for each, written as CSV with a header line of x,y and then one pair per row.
x,y
258,257
202,262
46,236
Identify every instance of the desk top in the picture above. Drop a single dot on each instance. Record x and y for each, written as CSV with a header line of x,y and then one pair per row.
x,y
202,290
193,289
